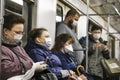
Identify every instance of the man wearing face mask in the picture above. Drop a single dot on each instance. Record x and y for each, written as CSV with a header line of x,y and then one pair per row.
x,y
68,26
97,50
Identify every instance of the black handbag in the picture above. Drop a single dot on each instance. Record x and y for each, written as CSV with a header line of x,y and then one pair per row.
x,y
44,75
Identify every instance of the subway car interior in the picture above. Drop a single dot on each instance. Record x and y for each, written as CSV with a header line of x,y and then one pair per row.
x,y
46,13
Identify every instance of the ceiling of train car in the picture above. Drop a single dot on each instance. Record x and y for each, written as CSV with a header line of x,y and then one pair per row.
x,y
105,8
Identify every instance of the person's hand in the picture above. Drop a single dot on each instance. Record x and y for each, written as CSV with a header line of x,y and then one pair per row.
x,y
83,77
40,66
96,45
72,75
71,72
104,47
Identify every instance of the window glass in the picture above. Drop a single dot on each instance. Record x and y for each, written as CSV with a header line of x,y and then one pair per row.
x,y
13,6
59,15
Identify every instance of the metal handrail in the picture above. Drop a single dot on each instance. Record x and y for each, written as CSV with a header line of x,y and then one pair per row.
x,y
1,23
87,35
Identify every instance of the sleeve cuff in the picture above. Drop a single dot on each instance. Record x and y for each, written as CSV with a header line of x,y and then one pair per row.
x,y
64,73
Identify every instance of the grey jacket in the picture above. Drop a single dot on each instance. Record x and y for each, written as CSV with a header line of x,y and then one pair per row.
x,y
10,63
94,58
63,28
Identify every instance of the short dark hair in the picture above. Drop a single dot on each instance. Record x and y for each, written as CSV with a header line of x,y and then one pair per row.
x,y
37,32
72,12
95,27
11,19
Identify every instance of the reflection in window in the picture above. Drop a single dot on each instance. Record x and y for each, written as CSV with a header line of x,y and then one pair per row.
x,y
59,15
58,18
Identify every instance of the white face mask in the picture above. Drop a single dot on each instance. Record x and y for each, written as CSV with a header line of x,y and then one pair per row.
x,y
48,41
18,37
74,23
68,48
96,36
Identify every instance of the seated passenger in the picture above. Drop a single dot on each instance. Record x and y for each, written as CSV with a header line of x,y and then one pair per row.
x,y
14,60
63,49
38,49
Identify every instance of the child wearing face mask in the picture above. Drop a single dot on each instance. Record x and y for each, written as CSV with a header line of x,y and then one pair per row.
x,y
64,50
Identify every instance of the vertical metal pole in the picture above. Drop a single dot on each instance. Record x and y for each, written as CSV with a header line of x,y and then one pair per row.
x,y
87,35
1,23
108,33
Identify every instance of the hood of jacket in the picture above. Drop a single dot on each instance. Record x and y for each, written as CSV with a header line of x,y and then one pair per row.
x,y
32,44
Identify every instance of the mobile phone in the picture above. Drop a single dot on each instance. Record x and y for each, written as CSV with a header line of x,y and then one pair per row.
x,y
47,59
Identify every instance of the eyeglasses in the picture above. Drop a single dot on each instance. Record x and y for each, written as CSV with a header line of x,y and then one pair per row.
x,y
19,32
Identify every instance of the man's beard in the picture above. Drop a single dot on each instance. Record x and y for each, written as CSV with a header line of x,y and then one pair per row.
x,y
70,24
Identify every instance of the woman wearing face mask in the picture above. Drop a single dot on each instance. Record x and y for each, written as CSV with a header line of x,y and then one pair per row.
x,y
63,49
38,49
14,60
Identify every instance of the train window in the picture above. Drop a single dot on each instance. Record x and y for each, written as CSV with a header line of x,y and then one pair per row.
x,y
18,1
90,24
59,14
13,6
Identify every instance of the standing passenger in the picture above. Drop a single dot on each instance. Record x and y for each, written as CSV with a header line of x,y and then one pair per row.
x,y
67,26
14,60
97,50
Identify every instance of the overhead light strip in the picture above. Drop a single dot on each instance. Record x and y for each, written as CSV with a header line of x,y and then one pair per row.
x,y
18,1
116,10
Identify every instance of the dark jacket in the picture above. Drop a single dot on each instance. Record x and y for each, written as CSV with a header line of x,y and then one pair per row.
x,y
14,61
41,53
68,61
